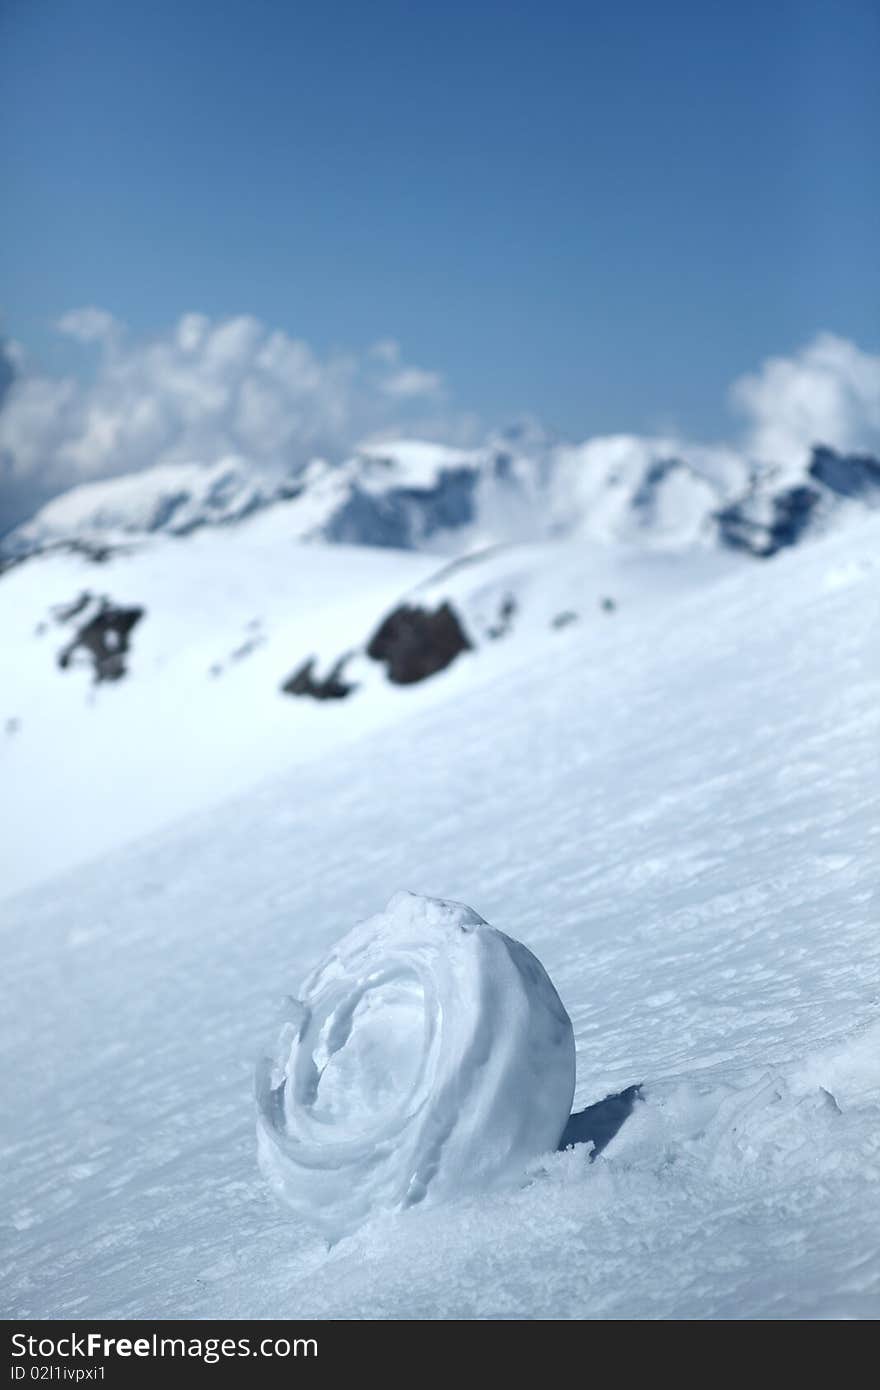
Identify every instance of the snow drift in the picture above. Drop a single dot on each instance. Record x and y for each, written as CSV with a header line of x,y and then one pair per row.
x,y
429,1055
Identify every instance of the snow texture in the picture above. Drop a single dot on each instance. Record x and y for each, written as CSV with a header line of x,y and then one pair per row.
x,y
429,1056
675,806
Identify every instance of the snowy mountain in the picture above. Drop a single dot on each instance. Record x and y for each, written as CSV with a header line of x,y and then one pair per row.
x,y
519,486
776,511
673,803
402,495
153,614
170,499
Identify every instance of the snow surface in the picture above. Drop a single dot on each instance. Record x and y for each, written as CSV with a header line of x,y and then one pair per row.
x,y
429,1056
229,615
675,807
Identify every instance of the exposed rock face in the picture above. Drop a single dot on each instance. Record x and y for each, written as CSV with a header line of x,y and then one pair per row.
x,y
415,642
847,475
405,516
305,681
412,642
764,521
787,517
104,638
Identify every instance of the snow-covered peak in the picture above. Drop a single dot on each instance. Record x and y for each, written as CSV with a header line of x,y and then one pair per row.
x,y
648,491
519,486
415,463
171,498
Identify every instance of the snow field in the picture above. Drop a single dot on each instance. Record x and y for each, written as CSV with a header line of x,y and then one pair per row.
x,y
680,816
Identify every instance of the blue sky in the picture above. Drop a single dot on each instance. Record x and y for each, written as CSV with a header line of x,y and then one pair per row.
x,y
600,214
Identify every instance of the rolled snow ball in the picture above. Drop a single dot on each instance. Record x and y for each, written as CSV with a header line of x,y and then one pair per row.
x,y
428,1056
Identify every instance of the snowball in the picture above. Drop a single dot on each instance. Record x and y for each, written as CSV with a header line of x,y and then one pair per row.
x,y
428,1056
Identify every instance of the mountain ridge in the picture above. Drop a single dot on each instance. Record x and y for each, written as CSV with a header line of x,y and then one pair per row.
x,y
414,495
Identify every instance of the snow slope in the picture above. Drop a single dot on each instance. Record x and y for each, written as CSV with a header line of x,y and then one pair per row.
x,y
199,714
228,615
675,807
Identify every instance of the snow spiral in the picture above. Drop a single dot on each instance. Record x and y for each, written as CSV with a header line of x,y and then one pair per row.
x,y
428,1055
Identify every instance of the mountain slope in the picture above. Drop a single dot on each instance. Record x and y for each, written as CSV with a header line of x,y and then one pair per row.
x,y
174,499
677,812
224,619
147,646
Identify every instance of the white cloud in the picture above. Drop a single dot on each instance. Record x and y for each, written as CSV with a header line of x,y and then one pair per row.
x,y
411,382
204,390
88,325
828,393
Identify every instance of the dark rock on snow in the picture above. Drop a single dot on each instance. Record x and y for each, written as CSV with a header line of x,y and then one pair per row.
x,y
304,681
105,639
404,516
415,642
764,525
847,475
790,515
66,612
506,614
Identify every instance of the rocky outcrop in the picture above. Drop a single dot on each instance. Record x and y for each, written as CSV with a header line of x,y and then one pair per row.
x,y
411,642
847,475
415,642
769,517
305,681
104,638
779,523
405,516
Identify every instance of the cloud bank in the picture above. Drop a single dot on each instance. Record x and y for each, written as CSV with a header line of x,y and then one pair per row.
x,y
206,390
829,393
209,389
